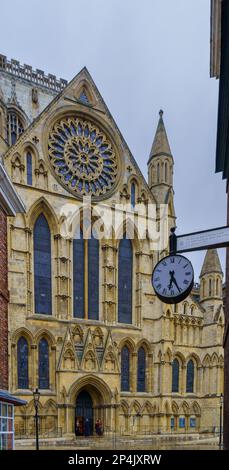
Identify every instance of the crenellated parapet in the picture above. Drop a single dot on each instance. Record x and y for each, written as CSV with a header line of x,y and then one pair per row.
x,y
37,76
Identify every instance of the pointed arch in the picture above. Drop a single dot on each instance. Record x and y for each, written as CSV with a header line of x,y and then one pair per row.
x,y
42,266
42,206
125,280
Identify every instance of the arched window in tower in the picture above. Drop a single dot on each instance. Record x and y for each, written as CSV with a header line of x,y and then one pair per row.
x,y
93,278
14,127
204,287
141,378
29,168
185,308
125,369
175,375
133,195
166,172
158,172
217,286
210,287
22,363
78,277
190,377
43,360
125,281
42,266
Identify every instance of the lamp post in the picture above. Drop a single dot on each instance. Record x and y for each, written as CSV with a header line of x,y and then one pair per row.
x,y
221,422
36,397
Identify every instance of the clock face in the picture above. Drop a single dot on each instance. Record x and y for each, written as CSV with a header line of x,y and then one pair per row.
x,y
173,278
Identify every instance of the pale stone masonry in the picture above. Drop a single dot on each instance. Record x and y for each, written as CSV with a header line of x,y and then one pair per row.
x,y
85,354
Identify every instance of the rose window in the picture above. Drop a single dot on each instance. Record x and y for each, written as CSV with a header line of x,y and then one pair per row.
x,y
82,156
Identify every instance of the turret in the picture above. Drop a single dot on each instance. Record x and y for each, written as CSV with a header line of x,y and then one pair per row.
x,y
160,170
211,280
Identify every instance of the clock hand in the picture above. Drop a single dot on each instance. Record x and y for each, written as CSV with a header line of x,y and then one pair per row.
x,y
173,281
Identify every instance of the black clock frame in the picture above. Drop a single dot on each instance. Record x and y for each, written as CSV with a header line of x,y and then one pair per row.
x,y
178,298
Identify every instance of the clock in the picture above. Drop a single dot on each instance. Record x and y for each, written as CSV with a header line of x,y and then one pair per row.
x,y
173,279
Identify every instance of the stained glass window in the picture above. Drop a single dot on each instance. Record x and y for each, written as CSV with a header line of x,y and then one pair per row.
x,y
22,363
190,377
42,266
133,195
83,98
125,369
125,280
141,381
29,168
43,364
78,276
93,278
175,376
182,422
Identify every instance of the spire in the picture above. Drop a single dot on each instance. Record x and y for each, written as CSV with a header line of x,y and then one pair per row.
x,y
160,144
211,263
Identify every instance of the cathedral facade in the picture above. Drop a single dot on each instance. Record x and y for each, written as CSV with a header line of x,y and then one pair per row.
x,y
85,326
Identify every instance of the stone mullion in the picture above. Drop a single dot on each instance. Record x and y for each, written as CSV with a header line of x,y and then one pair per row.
x,y
137,299
56,267
29,272
69,249
109,284
33,367
149,373
86,279
133,373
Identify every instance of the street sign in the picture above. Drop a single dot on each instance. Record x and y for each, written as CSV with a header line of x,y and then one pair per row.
x,y
203,240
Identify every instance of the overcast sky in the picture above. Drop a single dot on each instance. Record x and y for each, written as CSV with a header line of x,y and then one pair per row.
x,y
143,55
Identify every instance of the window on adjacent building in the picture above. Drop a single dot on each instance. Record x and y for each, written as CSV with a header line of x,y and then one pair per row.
x,y
22,363
29,168
6,426
43,353
141,377
125,280
14,127
175,375
125,369
42,266
190,377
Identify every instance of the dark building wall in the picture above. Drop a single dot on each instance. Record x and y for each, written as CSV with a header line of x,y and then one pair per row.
x,y
4,296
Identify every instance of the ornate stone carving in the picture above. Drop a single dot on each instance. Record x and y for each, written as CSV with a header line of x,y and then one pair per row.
x,y
82,157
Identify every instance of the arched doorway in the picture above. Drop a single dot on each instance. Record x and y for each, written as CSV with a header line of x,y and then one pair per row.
x,y
84,423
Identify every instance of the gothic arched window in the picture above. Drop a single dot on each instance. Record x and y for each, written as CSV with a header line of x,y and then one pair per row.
x,y
190,377
22,363
43,361
175,375
141,380
133,195
86,260
166,171
14,127
125,280
42,266
93,278
125,369
78,276
210,287
158,172
29,168
217,287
